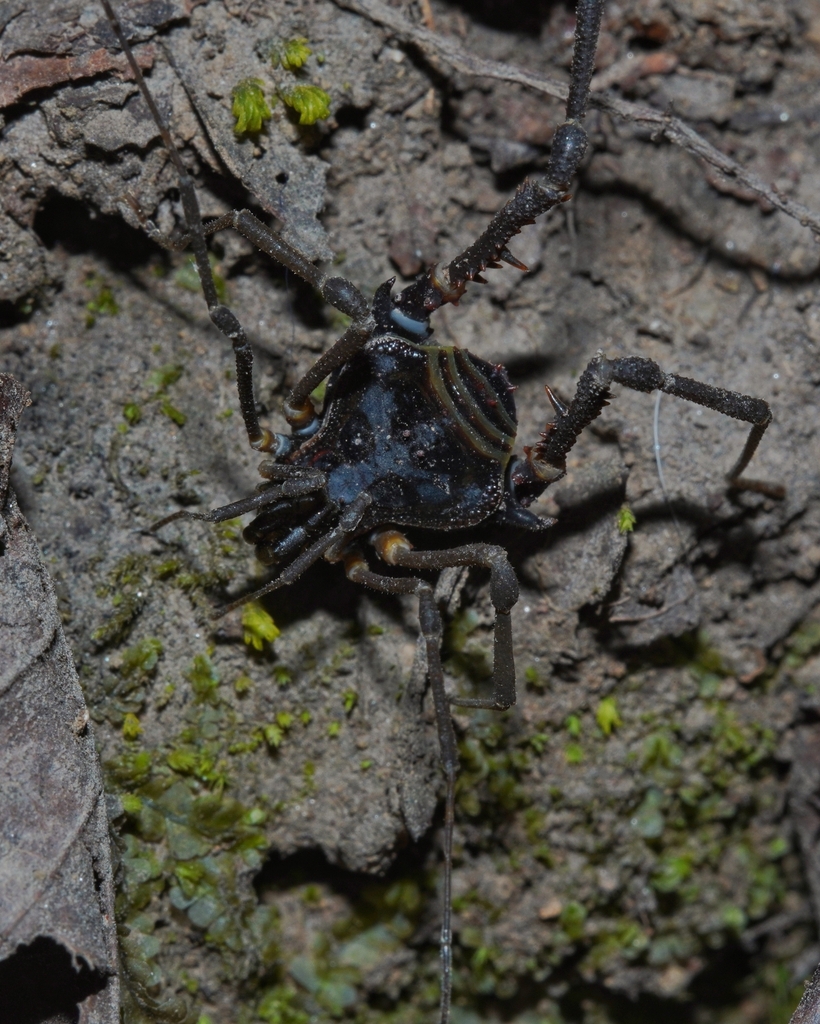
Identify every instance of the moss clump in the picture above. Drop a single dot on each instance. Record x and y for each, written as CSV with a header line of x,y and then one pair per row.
x,y
187,844
141,659
204,679
132,413
311,103
243,684
626,519
491,770
258,627
276,1006
160,379
249,106
293,54
102,302
607,715
131,728
173,414
126,585
275,732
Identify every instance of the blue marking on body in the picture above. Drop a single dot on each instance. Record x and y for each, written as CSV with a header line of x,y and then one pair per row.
x,y
419,327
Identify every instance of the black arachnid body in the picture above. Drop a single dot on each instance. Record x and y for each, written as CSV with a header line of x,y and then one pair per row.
x,y
416,435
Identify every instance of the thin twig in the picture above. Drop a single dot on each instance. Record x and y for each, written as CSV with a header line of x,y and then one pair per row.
x,y
446,49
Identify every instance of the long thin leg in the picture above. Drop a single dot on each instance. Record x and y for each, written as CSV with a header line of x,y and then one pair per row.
x,y
293,542
348,523
430,625
546,461
288,489
336,290
259,437
395,549
447,284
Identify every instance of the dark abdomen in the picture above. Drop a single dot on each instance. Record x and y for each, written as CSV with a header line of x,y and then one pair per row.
x,y
427,431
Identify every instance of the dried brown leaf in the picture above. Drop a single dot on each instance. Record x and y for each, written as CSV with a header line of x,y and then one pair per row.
x,y
55,868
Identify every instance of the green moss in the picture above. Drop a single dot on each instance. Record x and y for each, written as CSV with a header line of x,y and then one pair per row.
x,y
258,626
470,660
672,871
615,942
132,413
276,1006
626,519
309,776
102,302
275,732
142,658
334,729
349,701
293,53
173,414
131,728
491,771
160,379
573,917
282,675
696,838
249,106
538,741
746,744
734,918
129,769
167,568
178,796
243,684
185,761
311,103
533,679
607,715
573,726
126,585
204,679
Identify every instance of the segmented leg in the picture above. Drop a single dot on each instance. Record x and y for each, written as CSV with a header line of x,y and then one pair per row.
x,y
395,549
546,460
270,551
289,489
533,198
348,523
339,292
431,629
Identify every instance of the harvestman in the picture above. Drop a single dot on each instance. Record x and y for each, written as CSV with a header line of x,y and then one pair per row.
x,y
412,434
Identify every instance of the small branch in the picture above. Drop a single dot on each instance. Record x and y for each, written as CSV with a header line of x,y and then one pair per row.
x,y
445,49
